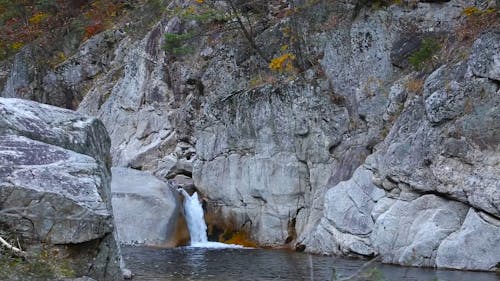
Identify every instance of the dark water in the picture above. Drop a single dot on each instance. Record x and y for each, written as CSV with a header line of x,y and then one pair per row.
x,y
259,265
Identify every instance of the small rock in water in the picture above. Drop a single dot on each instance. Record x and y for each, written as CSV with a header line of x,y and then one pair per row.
x,y
127,274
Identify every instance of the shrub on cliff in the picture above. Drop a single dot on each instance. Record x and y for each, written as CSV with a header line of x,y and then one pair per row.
x,y
204,18
23,21
424,54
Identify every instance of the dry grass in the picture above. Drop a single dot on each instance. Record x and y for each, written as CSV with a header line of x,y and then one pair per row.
x,y
415,86
474,22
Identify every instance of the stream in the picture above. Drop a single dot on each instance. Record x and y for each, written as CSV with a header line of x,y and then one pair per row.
x,y
213,261
232,264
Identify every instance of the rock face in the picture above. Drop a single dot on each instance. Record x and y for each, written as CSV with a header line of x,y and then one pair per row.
x,y
136,100
378,146
147,210
54,188
270,184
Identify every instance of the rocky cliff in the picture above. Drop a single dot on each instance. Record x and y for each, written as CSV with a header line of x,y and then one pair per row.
x,y
381,138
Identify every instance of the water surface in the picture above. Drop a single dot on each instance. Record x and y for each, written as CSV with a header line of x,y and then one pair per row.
x,y
202,264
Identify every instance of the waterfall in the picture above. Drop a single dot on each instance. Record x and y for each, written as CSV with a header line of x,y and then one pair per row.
x,y
196,223
194,217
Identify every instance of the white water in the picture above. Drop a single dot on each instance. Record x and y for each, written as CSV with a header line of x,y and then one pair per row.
x,y
196,224
194,217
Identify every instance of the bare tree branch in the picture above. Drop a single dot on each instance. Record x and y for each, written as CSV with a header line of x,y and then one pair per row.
x,y
247,33
12,248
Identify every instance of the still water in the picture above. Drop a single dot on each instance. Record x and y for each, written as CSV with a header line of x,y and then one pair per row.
x,y
204,264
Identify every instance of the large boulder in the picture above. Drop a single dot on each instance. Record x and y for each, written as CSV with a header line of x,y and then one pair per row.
x,y
54,186
478,237
485,57
409,233
347,217
147,210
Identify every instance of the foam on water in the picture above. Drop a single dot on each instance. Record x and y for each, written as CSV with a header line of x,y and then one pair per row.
x,y
215,245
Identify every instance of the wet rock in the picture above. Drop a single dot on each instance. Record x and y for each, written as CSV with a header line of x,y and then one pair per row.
x,y
147,210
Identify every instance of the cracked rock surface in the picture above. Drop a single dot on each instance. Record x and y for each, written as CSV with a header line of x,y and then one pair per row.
x,y
54,184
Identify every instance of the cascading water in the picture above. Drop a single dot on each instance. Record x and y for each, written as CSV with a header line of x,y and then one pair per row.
x,y
194,217
196,223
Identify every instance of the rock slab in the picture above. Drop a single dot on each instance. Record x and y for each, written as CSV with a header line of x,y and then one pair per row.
x,y
147,211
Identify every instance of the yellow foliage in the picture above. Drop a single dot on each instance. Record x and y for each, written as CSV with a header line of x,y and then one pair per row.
x,y
16,46
190,10
471,11
475,11
38,18
200,1
58,58
283,63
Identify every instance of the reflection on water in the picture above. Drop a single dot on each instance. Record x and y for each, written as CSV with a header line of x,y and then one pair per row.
x,y
202,264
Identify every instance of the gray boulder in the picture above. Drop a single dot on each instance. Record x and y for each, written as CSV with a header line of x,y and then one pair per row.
x,y
476,245
54,186
347,220
409,233
485,56
32,174
53,125
147,210
348,205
